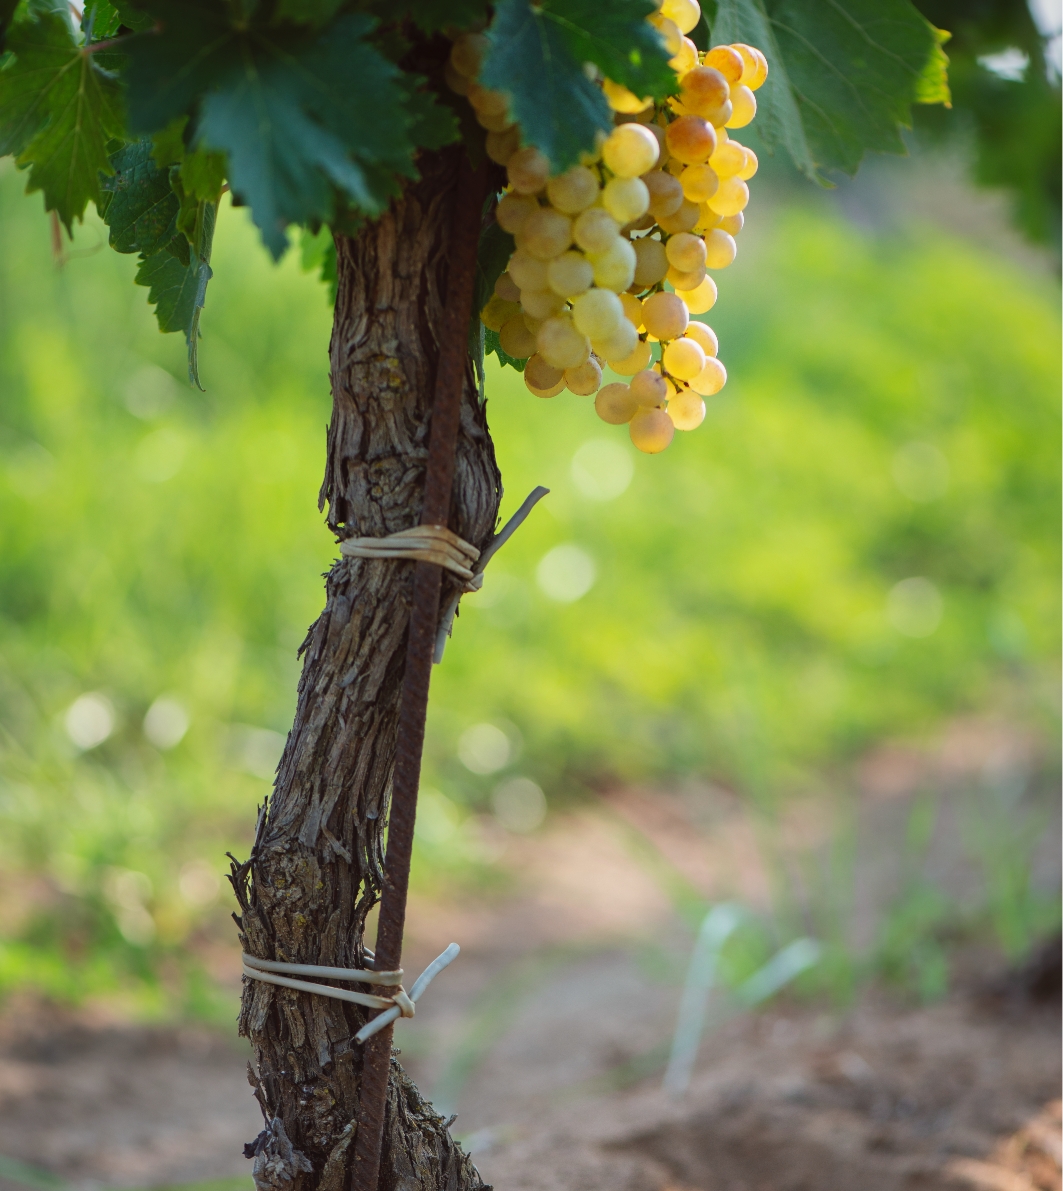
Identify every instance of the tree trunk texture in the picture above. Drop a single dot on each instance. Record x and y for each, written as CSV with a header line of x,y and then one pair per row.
x,y
316,867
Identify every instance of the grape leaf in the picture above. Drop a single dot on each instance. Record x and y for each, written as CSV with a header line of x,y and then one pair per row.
x,y
432,16
843,75
619,40
58,111
142,207
7,12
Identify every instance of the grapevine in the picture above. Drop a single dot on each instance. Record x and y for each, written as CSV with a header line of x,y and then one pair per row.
x,y
613,256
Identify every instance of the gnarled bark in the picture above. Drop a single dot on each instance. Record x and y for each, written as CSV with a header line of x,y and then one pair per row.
x,y
316,867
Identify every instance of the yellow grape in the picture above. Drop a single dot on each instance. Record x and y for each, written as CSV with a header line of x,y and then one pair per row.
x,y
756,66
615,268
458,83
686,252
711,379
651,430
507,288
561,344
718,117
666,192
669,384
699,182
649,388
528,170
728,159
630,150
642,224
597,313
619,345
498,312
494,121
707,219
732,224
467,54
690,139
704,335
584,380
573,191
500,146
550,392
702,299
683,220
687,410
720,249
744,103
651,262
512,210
541,303
614,404
490,103
595,230
641,357
665,316
685,280
684,358
542,375
670,33
732,197
751,166
728,61
632,310
626,199
570,274
620,99
516,340
546,233
527,272
703,88
674,166
687,58
685,13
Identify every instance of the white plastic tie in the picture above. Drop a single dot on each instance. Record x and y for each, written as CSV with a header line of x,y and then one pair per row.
x,y
398,1004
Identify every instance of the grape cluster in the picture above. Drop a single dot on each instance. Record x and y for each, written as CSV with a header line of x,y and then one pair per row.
x,y
613,256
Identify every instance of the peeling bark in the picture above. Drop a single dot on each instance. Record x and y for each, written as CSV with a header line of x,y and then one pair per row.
x,y
316,867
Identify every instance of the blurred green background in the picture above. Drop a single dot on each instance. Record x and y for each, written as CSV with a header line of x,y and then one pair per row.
x,y
861,542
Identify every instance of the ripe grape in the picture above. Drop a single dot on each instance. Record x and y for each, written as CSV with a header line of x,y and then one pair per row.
x,y
527,272
561,344
570,274
595,230
687,410
707,219
685,13
467,54
620,99
684,220
671,34
500,146
528,170
507,288
651,430
615,268
699,182
666,192
751,166
573,191
690,139
546,233
704,335
537,392
718,117
651,262
498,312
542,375
756,66
495,121
684,358
731,198
584,380
728,61
732,224
728,159
626,199
686,280
686,252
489,103
516,340
512,210
720,249
632,310
702,299
703,87
641,357
630,150
597,313
649,388
669,384
618,345
744,103
614,404
458,83
711,379
541,303
687,58
665,316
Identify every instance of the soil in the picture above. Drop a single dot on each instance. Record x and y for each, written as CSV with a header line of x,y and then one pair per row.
x,y
548,1037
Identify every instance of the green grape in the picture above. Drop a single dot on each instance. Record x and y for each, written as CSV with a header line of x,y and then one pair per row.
x,y
651,430
711,379
527,272
528,170
626,199
615,404
720,249
542,375
541,303
630,150
498,312
561,344
665,316
686,252
615,269
623,340
651,262
584,380
595,230
687,410
666,193
597,313
683,358
573,191
513,210
516,340
546,233
570,274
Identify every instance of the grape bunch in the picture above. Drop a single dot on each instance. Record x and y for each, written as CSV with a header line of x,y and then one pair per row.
x,y
613,256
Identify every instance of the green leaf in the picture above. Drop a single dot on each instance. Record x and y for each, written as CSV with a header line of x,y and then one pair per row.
x,y
843,76
58,111
177,290
318,254
7,12
305,12
933,84
100,20
203,174
618,39
142,212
